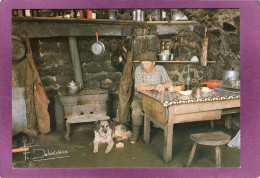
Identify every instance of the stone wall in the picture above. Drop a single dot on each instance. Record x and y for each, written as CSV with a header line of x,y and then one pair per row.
x,y
53,60
223,33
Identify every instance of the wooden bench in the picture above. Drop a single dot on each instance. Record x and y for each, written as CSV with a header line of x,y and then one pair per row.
x,y
211,139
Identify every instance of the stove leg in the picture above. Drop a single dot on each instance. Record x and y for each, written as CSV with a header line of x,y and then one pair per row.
x,y
67,135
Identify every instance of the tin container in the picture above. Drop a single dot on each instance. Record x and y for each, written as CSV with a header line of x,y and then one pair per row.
x,y
138,14
89,14
230,74
134,15
142,16
163,57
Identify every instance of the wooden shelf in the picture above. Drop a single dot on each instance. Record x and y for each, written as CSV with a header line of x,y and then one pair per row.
x,y
97,21
190,62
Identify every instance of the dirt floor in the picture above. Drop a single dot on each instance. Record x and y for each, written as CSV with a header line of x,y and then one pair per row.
x,y
52,151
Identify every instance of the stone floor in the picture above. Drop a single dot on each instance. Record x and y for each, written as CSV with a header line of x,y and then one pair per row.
x,y
52,151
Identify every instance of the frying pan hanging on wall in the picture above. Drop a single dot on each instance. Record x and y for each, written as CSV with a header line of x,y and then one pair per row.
x,y
18,48
98,47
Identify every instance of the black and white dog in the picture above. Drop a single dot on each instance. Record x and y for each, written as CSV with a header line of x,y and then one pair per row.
x,y
105,132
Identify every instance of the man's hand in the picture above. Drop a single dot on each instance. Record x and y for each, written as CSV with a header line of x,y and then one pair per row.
x,y
143,84
159,87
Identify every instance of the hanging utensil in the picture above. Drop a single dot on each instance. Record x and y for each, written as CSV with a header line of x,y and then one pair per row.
x,y
203,59
98,47
122,46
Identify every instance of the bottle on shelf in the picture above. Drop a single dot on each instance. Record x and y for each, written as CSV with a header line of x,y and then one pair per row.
x,y
187,81
51,11
58,13
20,12
72,13
28,13
66,13
166,48
80,13
89,14
15,12
94,14
34,13
162,47
163,15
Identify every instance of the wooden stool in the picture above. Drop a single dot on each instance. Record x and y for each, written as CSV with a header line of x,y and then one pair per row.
x,y
212,139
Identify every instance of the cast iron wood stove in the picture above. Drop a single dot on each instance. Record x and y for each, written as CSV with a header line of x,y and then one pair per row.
x,y
87,106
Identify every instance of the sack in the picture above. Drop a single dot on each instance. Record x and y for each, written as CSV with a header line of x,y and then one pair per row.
x,y
235,142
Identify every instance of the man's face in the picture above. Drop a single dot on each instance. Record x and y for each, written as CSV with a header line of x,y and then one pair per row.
x,y
148,66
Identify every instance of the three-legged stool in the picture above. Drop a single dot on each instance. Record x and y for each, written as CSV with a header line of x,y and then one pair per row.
x,y
212,139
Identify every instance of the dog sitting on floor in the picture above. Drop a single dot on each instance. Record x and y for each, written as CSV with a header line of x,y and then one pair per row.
x,y
105,132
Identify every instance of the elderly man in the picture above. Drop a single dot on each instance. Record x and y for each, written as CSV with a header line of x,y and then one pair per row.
x,y
148,76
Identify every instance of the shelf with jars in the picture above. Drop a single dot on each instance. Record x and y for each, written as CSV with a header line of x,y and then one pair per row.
x,y
97,21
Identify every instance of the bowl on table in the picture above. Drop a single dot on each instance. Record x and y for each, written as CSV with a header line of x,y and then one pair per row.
x,y
186,93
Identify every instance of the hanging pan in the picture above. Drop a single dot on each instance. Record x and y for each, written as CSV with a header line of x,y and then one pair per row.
x,y
98,47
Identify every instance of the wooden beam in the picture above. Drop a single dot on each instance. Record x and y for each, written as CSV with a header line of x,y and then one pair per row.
x,y
50,29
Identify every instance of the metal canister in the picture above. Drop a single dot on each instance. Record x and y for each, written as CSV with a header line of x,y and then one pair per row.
x,y
142,16
138,14
134,15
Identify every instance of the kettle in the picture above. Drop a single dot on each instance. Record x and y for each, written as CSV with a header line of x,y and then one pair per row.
x,y
112,14
73,88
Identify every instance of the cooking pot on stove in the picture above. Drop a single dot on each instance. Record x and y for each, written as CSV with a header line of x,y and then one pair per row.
x,y
234,74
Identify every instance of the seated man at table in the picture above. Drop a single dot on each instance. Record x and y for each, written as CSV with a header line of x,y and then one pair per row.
x,y
148,76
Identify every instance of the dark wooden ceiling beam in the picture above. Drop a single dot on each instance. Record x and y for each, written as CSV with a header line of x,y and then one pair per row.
x,y
49,29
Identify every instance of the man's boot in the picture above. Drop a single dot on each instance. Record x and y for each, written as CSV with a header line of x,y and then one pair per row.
x,y
135,134
137,122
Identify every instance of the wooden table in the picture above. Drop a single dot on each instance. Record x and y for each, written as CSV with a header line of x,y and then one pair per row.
x,y
166,109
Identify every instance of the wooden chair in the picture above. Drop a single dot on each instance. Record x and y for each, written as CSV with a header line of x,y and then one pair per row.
x,y
212,139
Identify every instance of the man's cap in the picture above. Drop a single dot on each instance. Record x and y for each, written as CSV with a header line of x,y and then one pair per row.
x,y
147,56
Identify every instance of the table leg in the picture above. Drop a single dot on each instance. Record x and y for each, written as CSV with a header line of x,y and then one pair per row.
x,y
228,121
147,129
168,136
67,135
